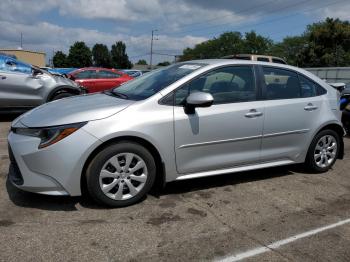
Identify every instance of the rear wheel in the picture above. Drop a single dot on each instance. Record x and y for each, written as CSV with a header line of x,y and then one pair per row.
x,y
323,151
121,174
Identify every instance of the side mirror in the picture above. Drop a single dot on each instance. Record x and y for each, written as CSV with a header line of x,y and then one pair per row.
x,y
198,99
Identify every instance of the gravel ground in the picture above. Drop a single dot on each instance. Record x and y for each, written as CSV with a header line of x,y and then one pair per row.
x,y
196,220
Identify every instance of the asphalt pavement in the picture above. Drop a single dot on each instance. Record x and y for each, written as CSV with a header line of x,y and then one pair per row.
x,y
276,214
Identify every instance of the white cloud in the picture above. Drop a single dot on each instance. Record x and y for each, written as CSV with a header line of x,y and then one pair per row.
x,y
46,37
177,20
339,11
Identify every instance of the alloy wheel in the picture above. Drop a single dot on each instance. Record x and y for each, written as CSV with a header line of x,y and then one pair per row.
x,y
123,176
325,151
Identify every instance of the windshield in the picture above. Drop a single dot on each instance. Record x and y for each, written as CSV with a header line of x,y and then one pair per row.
x,y
153,82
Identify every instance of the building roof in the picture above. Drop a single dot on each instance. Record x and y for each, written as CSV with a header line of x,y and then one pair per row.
x,y
20,50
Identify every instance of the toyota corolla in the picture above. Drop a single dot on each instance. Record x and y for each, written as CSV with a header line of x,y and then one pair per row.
x,y
189,120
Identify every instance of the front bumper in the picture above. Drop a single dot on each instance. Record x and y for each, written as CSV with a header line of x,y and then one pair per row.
x,y
55,170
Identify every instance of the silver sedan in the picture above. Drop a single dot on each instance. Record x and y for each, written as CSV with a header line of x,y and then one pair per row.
x,y
188,120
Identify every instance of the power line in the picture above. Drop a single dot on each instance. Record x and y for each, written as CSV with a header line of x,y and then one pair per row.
x,y
228,23
224,16
140,55
220,17
277,19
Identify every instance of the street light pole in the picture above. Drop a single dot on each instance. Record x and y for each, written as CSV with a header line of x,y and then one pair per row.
x,y
152,47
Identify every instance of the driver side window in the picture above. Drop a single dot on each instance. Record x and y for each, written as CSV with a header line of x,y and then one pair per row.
x,y
227,85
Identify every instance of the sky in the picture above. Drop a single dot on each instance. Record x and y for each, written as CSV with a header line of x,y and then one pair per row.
x,y
54,25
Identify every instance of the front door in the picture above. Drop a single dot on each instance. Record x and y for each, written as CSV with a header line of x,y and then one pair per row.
x,y
226,134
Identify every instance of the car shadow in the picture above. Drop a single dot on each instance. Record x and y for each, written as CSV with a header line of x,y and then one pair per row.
x,y
66,203
6,117
213,182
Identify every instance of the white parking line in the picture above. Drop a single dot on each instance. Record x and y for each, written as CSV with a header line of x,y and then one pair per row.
x,y
275,245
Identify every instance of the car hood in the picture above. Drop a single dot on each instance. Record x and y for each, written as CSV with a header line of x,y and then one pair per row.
x,y
73,110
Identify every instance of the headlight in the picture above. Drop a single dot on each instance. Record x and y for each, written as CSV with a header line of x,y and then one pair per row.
x,y
49,135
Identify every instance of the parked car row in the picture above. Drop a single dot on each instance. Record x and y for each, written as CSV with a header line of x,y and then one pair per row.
x,y
24,86
96,79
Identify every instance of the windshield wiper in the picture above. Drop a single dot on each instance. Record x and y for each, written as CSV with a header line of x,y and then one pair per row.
x,y
117,94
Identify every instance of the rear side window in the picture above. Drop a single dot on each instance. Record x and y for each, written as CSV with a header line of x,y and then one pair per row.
x,y
278,61
107,74
88,74
308,87
263,59
281,84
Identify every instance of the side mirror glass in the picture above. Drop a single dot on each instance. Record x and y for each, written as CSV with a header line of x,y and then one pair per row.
x,y
198,99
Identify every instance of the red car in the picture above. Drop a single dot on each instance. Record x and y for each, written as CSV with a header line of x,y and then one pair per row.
x,y
96,79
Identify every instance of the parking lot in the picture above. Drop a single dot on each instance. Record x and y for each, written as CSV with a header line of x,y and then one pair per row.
x,y
203,219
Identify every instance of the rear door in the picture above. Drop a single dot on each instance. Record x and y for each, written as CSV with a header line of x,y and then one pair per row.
x,y
226,134
87,79
292,109
107,79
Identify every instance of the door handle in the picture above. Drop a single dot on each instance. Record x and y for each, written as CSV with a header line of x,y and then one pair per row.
x,y
310,107
253,113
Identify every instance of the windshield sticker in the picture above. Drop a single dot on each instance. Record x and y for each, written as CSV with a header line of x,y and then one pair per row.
x,y
191,67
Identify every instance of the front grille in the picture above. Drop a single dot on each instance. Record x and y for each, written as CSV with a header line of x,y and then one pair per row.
x,y
15,174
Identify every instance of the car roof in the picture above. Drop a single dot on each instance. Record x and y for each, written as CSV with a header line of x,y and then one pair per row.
x,y
4,56
236,62
94,68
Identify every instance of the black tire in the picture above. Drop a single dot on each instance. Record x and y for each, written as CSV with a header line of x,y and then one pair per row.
x,y
310,161
95,166
61,95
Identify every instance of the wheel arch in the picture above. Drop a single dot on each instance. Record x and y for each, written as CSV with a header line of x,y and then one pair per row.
x,y
160,168
61,89
339,130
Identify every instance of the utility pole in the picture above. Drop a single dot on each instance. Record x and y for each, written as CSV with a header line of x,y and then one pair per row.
x,y
152,47
21,40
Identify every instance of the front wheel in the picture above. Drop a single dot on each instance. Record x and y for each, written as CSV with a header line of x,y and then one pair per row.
x,y
323,151
121,174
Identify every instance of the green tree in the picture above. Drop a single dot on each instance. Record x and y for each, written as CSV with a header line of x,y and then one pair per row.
x,y
228,43
256,44
328,44
60,59
101,56
165,63
142,62
79,55
119,57
290,49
